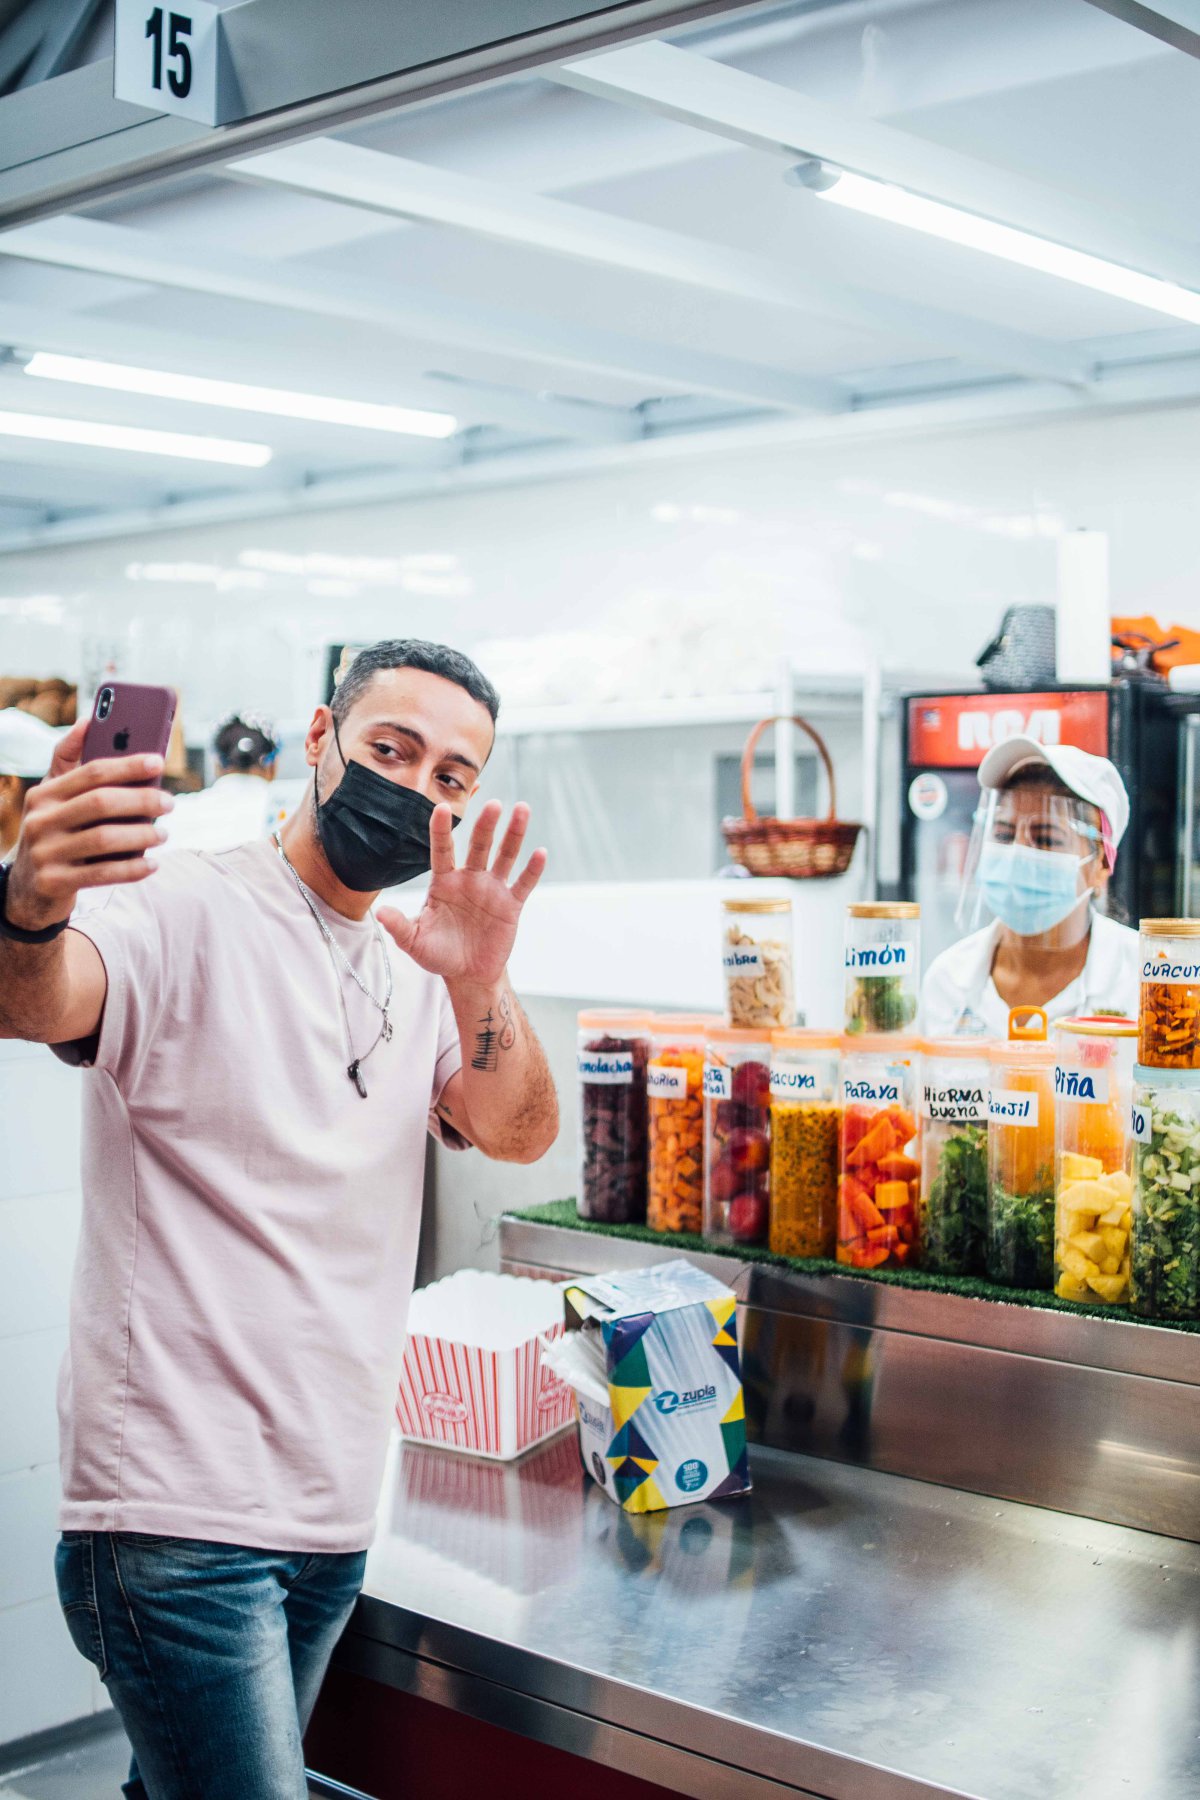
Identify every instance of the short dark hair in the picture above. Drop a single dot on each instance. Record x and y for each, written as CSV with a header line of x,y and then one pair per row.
x,y
244,744
412,653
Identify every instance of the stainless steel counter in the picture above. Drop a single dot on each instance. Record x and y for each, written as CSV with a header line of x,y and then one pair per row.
x,y
841,1632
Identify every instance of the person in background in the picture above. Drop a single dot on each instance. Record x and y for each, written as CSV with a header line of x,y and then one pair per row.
x,y
26,747
266,1056
237,807
1043,848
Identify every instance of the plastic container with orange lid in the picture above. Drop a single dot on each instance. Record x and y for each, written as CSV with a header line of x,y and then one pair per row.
x,y
878,1164
612,1053
1020,1230
675,1119
806,1115
737,1134
1093,1083
954,1155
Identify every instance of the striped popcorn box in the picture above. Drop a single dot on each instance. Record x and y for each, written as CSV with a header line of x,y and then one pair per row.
x,y
474,1377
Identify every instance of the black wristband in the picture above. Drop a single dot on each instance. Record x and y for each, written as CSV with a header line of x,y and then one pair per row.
x,y
15,932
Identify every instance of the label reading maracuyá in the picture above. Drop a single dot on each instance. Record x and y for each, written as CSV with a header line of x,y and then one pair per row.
x,y
793,1081
1183,973
665,1082
606,1068
1013,1106
718,1082
1080,1084
963,1104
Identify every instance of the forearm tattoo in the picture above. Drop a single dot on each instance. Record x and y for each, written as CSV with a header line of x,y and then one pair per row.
x,y
497,1031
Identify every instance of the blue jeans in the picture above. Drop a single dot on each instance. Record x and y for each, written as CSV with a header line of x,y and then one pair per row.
x,y
213,1655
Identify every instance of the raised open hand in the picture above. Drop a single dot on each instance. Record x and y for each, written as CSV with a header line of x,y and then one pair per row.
x,y
466,929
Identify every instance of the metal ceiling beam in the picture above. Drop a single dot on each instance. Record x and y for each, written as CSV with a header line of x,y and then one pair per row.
x,y
422,315
395,185
745,109
288,361
1174,22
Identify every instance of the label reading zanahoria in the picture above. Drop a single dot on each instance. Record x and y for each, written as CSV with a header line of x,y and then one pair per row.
x,y
718,1082
743,960
964,1103
1182,971
794,1081
1013,1106
606,1068
1080,1084
666,1082
1139,1124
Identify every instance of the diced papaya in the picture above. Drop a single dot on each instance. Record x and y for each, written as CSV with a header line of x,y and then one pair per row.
x,y
887,1235
1111,1288
902,1251
1080,1168
871,1258
877,1142
904,1124
853,1184
893,1196
864,1209
898,1167
856,1122
906,1230
1070,1287
1089,1244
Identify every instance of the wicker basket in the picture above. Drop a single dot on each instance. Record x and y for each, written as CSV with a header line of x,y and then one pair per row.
x,y
793,847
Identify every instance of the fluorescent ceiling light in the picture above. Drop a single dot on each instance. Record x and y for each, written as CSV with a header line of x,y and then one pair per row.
x,y
883,201
206,391
133,437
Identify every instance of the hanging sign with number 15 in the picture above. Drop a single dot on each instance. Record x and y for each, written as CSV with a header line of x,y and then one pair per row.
x,y
168,58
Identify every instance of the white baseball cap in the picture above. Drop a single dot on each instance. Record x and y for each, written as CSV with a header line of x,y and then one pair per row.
x,y
26,744
1093,778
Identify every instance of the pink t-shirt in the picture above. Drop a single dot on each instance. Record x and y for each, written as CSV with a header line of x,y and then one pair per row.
x,y
250,1224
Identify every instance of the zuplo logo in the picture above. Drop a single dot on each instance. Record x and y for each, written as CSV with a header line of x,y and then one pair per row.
x,y
670,1402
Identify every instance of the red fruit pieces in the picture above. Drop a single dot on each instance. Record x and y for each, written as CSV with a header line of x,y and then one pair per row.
x,y
748,1218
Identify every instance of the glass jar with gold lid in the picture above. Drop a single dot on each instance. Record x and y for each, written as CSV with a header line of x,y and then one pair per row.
x,y
883,965
1169,1009
756,952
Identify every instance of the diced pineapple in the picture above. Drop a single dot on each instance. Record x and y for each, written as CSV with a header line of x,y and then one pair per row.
x,y
1080,1168
1089,1244
1070,1287
1119,1185
1115,1240
1110,1265
1115,1214
1111,1288
1081,1197
1075,1263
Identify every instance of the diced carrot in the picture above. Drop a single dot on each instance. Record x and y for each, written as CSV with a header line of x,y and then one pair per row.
x,y
890,1196
870,1258
876,1143
898,1167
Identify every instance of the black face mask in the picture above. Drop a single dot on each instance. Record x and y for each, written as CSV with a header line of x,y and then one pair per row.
x,y
375,833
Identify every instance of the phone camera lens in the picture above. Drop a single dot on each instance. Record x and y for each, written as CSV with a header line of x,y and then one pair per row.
x,y
104,704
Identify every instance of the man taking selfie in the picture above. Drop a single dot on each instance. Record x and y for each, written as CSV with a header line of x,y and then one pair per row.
x,y
265,1056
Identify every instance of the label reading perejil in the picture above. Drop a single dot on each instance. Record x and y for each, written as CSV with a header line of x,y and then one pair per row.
x,y
718,1082
963,1105
666,1082
1012,1106
1139,1124
743,960
793,1082
1081,1084
606,1068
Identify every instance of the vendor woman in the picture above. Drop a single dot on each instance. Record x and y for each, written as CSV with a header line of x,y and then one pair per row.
x,y
1045,843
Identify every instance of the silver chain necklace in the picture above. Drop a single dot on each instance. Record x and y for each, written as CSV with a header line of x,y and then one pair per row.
x,y
337,955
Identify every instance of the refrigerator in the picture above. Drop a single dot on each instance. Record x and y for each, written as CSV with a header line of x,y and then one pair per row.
x,y
1149,733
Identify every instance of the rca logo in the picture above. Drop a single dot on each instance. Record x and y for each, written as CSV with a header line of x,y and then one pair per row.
x,y
981,730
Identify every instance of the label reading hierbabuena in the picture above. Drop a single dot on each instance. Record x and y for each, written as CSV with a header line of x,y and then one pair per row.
x,y
606,1068
1013,1106
1139,1124
794,1081
1080,1084
666,1082
1181,972
718,1082
963,1103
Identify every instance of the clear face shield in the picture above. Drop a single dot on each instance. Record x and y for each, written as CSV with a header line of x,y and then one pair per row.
x,y
1034,863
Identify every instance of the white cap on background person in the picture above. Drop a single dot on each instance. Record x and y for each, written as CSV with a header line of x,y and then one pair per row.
x,y
1091,778
26,744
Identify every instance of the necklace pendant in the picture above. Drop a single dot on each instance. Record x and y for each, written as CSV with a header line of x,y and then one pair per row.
x,y
355,1074
387,1027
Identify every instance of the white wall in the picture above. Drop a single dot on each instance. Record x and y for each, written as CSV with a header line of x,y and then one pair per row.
x,y
46,1682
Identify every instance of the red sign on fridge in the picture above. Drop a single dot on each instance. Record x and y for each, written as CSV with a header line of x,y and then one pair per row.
x,y
956,731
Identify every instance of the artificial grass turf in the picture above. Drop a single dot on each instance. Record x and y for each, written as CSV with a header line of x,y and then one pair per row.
x,y
968,1287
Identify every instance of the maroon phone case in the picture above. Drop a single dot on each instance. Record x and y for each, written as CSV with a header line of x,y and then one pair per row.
x,y
138,724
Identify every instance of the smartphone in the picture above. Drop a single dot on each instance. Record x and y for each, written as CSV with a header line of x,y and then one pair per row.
x,y
128,720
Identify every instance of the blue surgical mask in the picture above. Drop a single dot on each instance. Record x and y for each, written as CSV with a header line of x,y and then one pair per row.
x,y
1030,891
